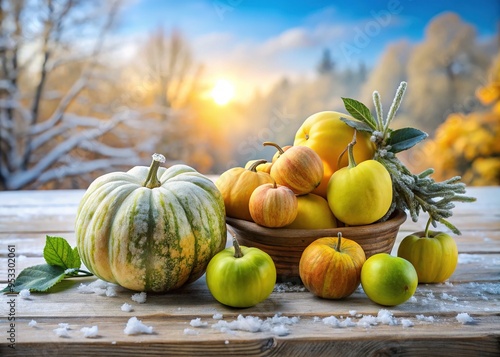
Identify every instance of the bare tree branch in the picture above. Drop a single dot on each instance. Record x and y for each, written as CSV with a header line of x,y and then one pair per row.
x,y
85,167
22,178
106,150
58,114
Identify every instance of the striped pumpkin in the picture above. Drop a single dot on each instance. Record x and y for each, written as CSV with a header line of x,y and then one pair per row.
x,y
151,229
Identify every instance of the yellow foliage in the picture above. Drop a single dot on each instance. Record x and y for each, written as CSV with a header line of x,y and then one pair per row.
x,y
484,172
489,94
469,145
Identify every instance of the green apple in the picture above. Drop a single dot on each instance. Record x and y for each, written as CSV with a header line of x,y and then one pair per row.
x,y
388,280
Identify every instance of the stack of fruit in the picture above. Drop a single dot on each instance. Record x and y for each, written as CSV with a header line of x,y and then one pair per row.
x,y
341,171
306,186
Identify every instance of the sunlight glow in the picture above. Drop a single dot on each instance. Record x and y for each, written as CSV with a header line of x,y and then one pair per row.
x,y
223,92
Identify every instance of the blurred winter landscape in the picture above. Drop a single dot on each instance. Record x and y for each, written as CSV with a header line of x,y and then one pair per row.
x,y
85,90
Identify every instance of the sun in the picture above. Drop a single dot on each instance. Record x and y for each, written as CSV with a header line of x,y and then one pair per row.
x,y
222,92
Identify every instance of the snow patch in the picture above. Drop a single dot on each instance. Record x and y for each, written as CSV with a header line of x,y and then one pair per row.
x,y
139,298
90,332
406,323
190,331
217,316
62,330
289,287
98,287
110,291
464,318
425,318
135,327
198,323
126,307
24,294
276,325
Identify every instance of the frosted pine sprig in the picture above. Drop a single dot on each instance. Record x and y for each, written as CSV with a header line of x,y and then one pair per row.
x,y
415,193
412,193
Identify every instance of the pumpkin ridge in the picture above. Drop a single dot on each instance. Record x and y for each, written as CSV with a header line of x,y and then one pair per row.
x,y
115,204
194,228
175,262
129,217
201,223
148,261
106,197
212,216
174,171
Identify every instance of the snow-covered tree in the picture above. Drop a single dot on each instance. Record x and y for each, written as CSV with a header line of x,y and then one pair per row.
x,y
443,72
50,68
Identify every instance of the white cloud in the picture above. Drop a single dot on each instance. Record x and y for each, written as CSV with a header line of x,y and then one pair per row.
x,y
291,39
324,15
213,40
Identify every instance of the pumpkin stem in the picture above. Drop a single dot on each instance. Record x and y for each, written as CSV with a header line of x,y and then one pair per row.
x,y
237,249
152,179
339,241
254,165
426,232
269,143
350,153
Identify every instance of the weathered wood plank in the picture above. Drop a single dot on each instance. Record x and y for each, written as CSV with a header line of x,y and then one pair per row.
x,y
315,339
481,296
40,198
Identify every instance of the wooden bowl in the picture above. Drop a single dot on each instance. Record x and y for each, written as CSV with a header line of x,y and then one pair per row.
x,y
286,245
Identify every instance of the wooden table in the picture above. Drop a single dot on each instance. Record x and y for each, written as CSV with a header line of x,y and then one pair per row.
x,y
425,325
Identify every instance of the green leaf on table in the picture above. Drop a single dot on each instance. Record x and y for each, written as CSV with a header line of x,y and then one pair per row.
x,y
358,125
405,138
37,278
62,262
360,111
58,252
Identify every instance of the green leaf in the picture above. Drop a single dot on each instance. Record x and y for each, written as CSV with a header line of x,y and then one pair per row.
x,y
405,138
360,111
358,125
37,278
77,263
58,252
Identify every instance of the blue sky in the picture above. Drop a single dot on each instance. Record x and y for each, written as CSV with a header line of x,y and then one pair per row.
x,y
255,39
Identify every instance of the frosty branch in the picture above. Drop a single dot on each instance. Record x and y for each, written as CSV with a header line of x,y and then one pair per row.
x,y
34,141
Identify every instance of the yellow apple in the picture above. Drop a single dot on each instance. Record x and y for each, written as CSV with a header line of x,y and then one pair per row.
x,y
313,213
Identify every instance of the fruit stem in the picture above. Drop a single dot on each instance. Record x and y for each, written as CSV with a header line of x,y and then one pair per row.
x,y
253,167
237,249
426,232
269,143
350,153
152,179
339,242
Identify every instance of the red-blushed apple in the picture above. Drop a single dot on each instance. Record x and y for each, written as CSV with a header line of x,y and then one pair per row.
x,y
330,267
